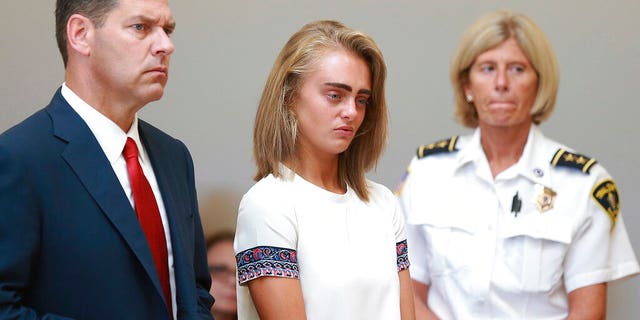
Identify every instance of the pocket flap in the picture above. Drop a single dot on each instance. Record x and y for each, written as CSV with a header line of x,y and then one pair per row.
x,y
546,226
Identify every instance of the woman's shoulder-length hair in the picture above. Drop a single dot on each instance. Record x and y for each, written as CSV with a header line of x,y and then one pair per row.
x,y
275,127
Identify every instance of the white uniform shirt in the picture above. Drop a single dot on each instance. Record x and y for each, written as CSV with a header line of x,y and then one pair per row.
x,y
483,260
345,252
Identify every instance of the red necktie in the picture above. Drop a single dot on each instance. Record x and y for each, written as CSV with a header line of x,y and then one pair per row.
x,y
149,217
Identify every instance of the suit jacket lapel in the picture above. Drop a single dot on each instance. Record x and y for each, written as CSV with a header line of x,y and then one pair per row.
x,y
163,164
86,158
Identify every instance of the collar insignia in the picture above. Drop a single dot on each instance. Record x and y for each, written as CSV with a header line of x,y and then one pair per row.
x,y
538,172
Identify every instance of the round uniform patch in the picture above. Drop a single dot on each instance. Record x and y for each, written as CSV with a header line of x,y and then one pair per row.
x,y
605,194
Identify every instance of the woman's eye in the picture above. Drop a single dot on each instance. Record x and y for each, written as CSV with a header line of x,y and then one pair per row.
x,y
362,101
333,96
518,68
486,68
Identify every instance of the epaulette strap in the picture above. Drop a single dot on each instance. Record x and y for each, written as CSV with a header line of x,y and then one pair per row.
x,y
443,146
564,158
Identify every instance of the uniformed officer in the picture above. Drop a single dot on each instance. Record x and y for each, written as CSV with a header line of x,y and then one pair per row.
x,y
506,223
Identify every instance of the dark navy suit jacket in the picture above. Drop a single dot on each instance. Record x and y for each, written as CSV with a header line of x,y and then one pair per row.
x,y
70,243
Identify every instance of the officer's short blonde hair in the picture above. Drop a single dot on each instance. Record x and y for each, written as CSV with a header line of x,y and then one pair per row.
x,y
490,31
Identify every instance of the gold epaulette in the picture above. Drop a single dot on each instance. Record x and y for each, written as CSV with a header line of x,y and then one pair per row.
x,y
564,158
442,146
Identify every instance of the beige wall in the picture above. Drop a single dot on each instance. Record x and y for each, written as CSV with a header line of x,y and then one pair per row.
x,y
225,49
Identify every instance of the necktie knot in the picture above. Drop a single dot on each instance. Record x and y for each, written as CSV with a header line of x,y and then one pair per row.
x,y
130,150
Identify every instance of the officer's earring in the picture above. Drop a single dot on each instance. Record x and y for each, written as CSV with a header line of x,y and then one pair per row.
x,y
469,98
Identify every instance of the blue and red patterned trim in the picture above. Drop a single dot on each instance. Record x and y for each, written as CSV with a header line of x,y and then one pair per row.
x,y
403,258
267,261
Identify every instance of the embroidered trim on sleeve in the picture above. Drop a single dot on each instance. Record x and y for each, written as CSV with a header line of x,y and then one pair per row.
x,y
266,261
403,258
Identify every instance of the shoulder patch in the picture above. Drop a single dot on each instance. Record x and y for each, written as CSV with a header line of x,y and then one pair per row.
x,y
442,146
564,158
606,196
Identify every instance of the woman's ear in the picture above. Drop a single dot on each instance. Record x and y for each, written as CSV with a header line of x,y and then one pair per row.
x,y
468,94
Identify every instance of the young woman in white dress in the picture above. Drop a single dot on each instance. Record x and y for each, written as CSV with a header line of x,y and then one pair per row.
x,y
315,239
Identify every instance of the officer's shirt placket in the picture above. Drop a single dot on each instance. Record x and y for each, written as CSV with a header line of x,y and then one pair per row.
x,y
486,234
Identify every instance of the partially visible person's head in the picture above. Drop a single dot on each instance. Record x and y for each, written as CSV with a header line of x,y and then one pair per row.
x,y
222,266
116,49
95,10
276,130
490,31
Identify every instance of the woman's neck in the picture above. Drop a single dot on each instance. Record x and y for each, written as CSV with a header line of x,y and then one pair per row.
x,y
320,171
503,147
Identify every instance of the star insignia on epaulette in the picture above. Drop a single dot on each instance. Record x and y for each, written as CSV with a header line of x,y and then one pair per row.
x,y
606,196
564,158
442,146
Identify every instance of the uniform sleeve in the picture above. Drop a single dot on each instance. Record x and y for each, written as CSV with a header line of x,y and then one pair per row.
x,y
601,251
266,236
416,239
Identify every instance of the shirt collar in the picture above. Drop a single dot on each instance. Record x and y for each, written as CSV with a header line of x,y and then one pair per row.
x,y
472,151
109,135
533,163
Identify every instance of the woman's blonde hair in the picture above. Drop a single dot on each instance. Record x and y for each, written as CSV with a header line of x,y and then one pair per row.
x,y
275,129
486,33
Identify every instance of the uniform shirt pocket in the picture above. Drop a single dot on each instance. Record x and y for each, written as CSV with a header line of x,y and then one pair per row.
x,y
533,251
448,243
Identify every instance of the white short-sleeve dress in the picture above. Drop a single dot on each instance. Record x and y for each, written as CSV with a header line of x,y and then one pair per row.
x,y
346,253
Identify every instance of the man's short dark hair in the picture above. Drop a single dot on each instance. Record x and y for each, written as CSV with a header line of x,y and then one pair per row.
x,y
95,10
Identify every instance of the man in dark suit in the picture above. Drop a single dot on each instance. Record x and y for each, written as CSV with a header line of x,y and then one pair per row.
x,y
85,231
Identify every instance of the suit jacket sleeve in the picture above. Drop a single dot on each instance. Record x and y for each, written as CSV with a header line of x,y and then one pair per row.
x,y
19,238
203,278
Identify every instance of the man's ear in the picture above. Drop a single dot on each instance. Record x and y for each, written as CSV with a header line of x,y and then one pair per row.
x,y
80,31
